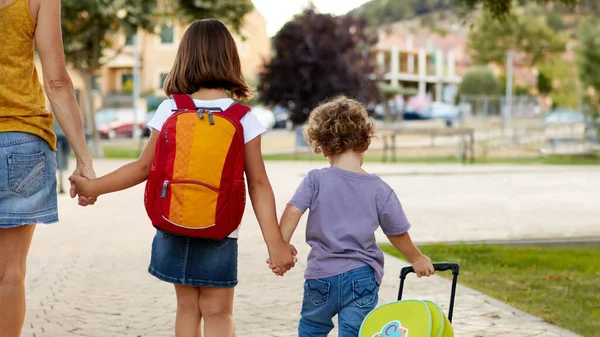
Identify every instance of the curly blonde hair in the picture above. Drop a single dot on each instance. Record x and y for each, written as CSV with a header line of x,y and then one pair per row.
x,y
339,125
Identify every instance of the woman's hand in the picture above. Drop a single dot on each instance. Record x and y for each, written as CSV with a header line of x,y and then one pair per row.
x,y
86,171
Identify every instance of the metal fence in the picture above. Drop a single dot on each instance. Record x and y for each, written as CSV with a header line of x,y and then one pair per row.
x,y
520,126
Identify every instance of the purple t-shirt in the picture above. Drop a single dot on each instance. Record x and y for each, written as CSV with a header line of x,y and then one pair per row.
x,y
346,208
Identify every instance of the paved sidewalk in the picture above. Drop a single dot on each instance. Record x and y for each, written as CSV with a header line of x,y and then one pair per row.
x,y
87,275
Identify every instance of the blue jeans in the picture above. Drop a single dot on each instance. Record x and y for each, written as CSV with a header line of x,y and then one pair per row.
x,y
351,296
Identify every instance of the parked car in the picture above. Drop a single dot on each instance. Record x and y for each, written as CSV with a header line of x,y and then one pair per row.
x,y
265,116
411,113
147,131
282,117
442,110
112,123
564,116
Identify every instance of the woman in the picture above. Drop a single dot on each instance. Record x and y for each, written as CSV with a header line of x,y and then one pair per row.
x,y
27,160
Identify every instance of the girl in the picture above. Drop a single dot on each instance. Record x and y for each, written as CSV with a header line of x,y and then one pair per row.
x,y
347,205
207,66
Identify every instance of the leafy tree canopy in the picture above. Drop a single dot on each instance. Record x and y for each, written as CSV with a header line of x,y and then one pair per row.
x,y
318,56
531,37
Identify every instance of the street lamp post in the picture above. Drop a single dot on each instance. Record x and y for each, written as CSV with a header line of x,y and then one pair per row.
x,y
136,85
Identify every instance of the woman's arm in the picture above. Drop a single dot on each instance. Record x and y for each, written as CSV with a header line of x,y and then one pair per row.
x,y
124,177
263,202
58,84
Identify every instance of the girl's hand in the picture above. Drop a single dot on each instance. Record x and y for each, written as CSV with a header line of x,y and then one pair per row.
x,y
277,270
85,171
83,187
282,257
423,266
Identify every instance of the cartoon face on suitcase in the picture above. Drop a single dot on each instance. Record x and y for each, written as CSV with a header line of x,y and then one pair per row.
x,y
393,329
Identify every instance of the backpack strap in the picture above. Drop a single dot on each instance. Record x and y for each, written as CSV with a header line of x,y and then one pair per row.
x,y
237,111
183,102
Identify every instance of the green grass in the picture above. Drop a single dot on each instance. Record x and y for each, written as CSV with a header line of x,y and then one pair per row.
x,y
116,152
560,285
113,152
552,160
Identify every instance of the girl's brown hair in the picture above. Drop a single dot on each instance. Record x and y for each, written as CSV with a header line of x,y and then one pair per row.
x,y
207,58
339,125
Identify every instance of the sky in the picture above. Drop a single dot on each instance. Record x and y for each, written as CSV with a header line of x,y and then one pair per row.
x,y
278,12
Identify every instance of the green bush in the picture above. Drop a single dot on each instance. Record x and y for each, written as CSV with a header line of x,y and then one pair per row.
x,y
479,81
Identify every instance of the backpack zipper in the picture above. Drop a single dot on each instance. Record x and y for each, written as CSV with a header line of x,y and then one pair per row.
x,y
164,189
210,117
167,182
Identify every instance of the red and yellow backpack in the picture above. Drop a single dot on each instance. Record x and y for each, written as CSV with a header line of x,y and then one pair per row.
x,y
196,186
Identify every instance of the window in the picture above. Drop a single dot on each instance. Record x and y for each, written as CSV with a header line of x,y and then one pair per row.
x,y
161,80
127,82
129,39
167,34
95,85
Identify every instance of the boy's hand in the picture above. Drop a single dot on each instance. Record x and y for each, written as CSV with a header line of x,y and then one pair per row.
x,y
423,266
282,257
82,187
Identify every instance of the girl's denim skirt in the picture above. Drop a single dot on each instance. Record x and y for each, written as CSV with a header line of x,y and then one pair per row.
x,y
193,261
27,180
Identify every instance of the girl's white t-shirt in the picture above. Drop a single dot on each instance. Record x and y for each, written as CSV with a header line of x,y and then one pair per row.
x,y
252,126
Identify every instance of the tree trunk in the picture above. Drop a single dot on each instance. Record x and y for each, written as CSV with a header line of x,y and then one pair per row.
x,y
88,107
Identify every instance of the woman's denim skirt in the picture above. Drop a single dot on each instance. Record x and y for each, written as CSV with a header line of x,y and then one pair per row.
x,y
27,180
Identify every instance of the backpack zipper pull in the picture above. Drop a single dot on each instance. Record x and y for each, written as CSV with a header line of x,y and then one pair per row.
x,y
200,113
210,117
164,189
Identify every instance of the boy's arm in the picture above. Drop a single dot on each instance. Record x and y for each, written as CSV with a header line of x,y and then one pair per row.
x,y
404,244
421,263
124,177
289,222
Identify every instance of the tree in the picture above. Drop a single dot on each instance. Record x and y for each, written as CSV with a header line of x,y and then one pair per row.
x,y
318,56
479,81
89,29
588,61
502,8
531,37
379,12
563,82
544,82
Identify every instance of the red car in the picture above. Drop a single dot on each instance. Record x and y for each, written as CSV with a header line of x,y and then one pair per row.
x,y
112,123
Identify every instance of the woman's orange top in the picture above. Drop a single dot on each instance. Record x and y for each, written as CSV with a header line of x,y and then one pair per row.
x,y
22,101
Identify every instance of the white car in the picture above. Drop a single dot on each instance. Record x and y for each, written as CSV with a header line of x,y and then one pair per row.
x,y
265,116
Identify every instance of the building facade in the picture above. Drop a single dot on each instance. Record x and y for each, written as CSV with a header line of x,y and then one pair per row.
x,y
157,53
427,65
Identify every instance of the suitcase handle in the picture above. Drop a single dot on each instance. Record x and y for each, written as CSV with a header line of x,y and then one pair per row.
x,y
438,267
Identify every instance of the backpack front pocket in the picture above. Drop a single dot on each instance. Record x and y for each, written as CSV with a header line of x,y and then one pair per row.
x,y
189,204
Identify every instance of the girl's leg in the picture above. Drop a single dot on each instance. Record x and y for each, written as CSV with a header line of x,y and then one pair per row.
x,y
216,305
187,321
14,247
